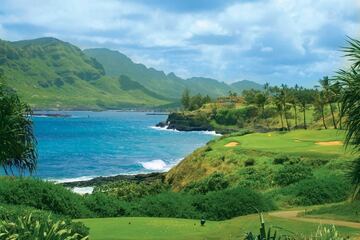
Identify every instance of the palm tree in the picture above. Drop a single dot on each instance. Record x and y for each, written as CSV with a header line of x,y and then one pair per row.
x,y
294,101
277,101
350,99
350,83
17,140
328,96
338,91
284,96
319,104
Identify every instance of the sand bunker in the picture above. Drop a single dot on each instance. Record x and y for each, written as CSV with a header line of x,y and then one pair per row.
x,y
231,144
332,143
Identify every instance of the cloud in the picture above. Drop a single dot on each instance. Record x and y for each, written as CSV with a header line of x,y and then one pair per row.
x,y
272,41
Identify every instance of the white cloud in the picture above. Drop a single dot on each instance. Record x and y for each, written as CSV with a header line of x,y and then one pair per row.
x,y
256,30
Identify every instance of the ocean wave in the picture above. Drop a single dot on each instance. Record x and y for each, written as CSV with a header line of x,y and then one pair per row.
x,y
83,190
67,180
164,129
156,165
211,133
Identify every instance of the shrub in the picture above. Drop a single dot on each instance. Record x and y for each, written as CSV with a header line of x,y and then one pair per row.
x,y
280,159
26,227
230,203
260,177
291,174
105,206
129,191
317,191
167,204
42,195
249,162
214,182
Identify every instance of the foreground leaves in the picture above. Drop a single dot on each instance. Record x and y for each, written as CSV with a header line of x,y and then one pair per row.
x,y
26,228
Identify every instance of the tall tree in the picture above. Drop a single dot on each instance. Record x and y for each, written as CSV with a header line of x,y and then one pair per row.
x,y
284,95
304,100
17,140
328,96
294,101
185,99
276,98
319,104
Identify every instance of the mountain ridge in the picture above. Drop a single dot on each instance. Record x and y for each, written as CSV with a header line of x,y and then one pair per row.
x,y
49,73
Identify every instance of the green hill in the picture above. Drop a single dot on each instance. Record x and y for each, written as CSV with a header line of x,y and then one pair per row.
x,y
49,73
246,84
168,85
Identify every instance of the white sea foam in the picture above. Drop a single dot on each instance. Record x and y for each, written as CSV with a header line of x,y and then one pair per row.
x,y
155,165
211,133
164,129
66,180
83,190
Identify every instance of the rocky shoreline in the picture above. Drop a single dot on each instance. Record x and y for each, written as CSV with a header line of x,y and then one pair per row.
x,y
145,177
182,122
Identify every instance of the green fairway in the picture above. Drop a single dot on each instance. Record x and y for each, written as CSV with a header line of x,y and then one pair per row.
x,y
171,228
299,141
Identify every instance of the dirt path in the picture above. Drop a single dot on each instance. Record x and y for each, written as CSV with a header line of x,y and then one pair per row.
x,y
293,215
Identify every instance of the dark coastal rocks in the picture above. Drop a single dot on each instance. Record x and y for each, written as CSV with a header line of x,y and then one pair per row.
x,y
104,180
186,122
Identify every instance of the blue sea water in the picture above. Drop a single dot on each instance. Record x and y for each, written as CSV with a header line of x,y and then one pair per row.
x,y
90,144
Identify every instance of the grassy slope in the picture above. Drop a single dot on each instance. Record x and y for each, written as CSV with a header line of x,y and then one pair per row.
x,y
263,147
49,73
170,228
349,211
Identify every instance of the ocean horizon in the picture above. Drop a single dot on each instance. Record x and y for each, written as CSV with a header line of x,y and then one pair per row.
x,y
81,145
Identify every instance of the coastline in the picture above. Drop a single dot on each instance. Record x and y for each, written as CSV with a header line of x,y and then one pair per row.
x,y
141,177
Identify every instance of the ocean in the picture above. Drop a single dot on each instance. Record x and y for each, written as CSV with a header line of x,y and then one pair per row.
x,y
90,144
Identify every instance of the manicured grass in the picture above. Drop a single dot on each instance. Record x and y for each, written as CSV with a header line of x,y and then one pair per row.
x,y
349,211
170,228
299,141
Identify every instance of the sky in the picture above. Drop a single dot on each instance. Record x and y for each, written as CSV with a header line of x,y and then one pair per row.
x,y
275,41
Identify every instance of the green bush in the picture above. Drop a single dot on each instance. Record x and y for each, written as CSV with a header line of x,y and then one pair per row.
x,y
42,195
258,177
129,191
291,174
249,162
167,204
26,227
281,159
229,116
230,203
314,191
214,182
105,206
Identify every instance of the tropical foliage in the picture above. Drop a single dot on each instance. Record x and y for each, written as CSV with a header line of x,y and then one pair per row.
x,y
17,140
25,228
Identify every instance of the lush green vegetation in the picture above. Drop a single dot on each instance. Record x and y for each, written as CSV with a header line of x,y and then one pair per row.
x,y
235,175
11,213
17,140
271,156
26,227
49,73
